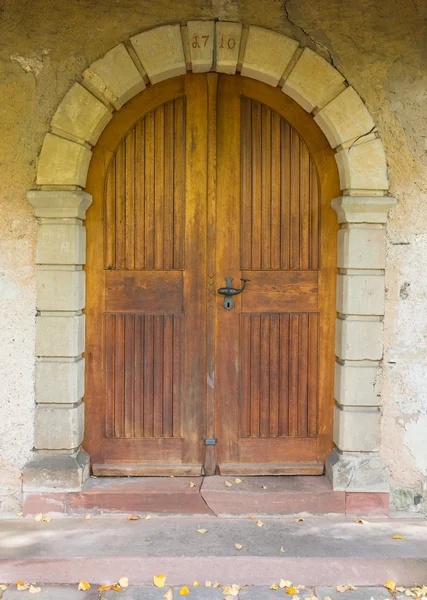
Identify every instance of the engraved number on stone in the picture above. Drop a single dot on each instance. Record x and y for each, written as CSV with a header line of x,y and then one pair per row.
x,y
230,43
195,41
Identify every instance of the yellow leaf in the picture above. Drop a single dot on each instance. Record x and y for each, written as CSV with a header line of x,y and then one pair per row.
x,y
20,514
409,593
184,591
34,590
202,531
216,585
87,517
134,518
327,598
284,583
390,585
400,589
251,518
398,537
116,588
159,581
83,586
259,523
168,595
208,583
123,582
3,587
196,584
300,520
47,519
273,586
264,487
282,549
238,546
148,518
192,484
238,480
38,517
93,476
345,588
291,591
104,587
295,597
21,586
361,521
231,590
228,484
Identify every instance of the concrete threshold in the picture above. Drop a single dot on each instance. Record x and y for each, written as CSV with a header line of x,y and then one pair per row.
x,y
315,551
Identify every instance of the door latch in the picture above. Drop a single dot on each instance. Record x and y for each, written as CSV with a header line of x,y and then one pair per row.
x,y
228,292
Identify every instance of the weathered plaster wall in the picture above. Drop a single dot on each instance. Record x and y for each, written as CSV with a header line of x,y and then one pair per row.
x,y
380,47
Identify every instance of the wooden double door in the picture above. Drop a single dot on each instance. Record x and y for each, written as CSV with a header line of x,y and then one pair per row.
x,y
197,179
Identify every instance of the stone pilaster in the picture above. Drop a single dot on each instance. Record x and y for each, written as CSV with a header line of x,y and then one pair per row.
x,y
58,461
355,464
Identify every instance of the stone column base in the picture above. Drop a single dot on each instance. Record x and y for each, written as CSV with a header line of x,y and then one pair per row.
x,y
56,472
357,472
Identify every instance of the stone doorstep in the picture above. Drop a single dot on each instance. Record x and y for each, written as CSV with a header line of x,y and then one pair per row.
x,y
209,496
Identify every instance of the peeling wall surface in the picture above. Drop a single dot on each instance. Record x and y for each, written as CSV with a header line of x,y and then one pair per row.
x,y
380,48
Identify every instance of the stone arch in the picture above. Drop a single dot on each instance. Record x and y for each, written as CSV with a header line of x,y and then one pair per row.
x,y
60,204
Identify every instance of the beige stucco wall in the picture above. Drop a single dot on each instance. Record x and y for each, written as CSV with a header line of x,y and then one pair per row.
x,y
381,49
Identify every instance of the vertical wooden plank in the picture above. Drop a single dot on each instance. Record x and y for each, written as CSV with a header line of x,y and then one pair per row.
x,y
148,376
304,195
130,199
167,409
177,391
302,375
120,195
139,194
256,184
109,344
110,217
314,218
246,182
284,375
313,374
179,183
129,376
158,349
295,201
293,373
119,368
159,185
285,193
265,187
139,376
264,376
168,240
149,191
255,373
274,375
245,375
275,191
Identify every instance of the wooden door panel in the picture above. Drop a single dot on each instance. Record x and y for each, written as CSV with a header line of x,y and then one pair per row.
x,y
276,291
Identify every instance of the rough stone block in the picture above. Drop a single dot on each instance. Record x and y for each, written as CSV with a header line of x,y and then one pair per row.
x,y
63,472
267,54
160,52
60,289
228,37
59,203
61,244
363,166
58,428
361,247
313,82
357,472
357,429
60,335
62,162
356,385
360,294
363,209
345,118
356,339
201,36
60,381
115,77
81,115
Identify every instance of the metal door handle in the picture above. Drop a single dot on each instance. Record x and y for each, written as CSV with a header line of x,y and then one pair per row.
x,y
228,292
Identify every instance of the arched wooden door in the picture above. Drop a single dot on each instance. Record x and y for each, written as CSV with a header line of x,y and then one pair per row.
x,y
197,179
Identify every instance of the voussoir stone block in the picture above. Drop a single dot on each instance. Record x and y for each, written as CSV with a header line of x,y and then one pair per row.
x,y
362,209
356,385
81,115
59,203
58,428
361,247
228,36
267,54
60,289
357,429
360,294
160,52
60,335
313,82
201,44
345,118
115,77
60,381
62,162
61,244
356,339
363,166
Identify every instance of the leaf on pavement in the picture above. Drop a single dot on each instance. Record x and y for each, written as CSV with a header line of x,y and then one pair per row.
x,y
251,518
238,480
231,590
238,546
390,585
282,549
291,591
87,517
259,523
273,586
192,484
134,518
20,514
196,584
83,586
228,484
216,585
398,537
300,520
202,531
184,591
3,587
168,595
47,519
159,581
208,583
105,587
284,583
34,590
264,487
123,582
362,521
38,517
345,588
21,586
148,518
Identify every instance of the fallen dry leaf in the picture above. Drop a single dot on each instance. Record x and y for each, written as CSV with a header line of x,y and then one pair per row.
x,y
345,588
409,593
34,590
238,546
148,518
123,582
93,476
47,519
168,595
295,597
259,523
362,521
184,591
202,531
216,585
264,487
231,590
3,587
291,591
390,585
228,484
327,598
285,583
159,581
196,584
105,587
251,518
398,537
400,589
311,598
192,484
38,517
273,586
134,518
208,583
300,520
20,514
83,586
21,586
282,549
87,517
238,480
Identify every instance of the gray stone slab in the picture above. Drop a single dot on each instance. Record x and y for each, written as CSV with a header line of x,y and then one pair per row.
x,y
153,593
53,592
362,593
255,592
